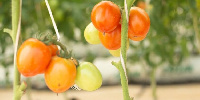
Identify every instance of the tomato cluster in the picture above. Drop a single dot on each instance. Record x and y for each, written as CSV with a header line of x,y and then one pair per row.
x,y
35,57
105,27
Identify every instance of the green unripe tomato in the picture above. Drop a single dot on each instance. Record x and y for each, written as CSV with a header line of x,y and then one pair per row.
x,y
88,77
116,53
91,34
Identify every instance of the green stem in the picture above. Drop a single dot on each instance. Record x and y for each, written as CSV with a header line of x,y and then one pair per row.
x,y
124,30
16,11
121,66
63,47
18,88
153,83
28,90
196,30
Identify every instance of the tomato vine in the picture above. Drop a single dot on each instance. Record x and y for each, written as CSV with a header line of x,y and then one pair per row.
x,y
123,57
18,87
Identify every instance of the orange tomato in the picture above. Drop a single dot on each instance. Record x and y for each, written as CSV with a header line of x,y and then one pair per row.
x,y
111,40
141,4
138,38
106,16
33,57
60,74
139,23
54,49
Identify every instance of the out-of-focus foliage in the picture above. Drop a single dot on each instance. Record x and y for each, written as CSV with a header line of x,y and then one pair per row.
x,y
71,17
171,37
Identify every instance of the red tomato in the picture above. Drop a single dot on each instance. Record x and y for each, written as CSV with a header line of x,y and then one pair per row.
x,y
105,16
111,40
33,57
60,74
54,49
139,23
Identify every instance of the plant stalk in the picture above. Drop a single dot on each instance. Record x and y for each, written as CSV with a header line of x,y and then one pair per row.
x,y
196,30
15,21
18,87
121,66
153,83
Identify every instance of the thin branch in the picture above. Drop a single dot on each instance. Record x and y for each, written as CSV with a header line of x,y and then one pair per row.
x,y
17,36
9,31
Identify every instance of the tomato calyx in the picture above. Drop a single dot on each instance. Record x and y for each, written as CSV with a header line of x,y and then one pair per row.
x,y
52,40
63,53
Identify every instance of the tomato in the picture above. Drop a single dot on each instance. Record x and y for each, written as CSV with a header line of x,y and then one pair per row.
x,y
106,16
116,53
33,57
112,40
141,4
54,49
138,38
60,74
88,77
139,23
91,34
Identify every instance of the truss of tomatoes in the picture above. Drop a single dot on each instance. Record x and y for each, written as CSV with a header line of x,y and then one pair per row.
x,y
35,57
105,27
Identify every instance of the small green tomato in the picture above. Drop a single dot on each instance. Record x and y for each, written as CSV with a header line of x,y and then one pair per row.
x,y
88,77
115,53
91,34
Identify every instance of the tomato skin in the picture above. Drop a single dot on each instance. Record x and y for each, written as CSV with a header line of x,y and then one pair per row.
x,y
33,57
111,40
88,77
91,34
139,23
60,74
53,49
106,16
139,38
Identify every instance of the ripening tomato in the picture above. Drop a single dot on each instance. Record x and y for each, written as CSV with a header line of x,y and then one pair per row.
x,y
54,49
141,4
116,53
106,16
91,34
138,38
139,23
111,40
60,74
88,77
33,57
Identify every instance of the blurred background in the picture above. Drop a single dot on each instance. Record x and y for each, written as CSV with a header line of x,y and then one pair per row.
x,y
168,56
